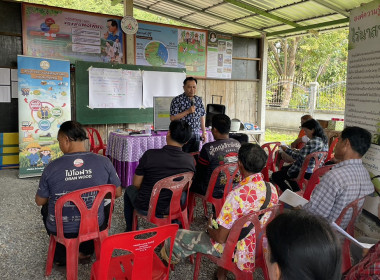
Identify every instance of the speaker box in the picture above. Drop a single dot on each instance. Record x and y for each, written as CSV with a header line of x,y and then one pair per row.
x,y
212,110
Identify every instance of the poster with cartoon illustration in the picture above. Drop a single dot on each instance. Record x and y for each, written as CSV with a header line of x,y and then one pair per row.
x,y
44,103
192,51
73,35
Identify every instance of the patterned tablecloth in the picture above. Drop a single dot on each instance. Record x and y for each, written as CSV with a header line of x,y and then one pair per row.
x,y
125,151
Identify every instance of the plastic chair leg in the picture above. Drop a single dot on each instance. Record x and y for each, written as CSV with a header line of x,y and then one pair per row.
x,y
205,208
135,222
191,206
50,256
72,250
197,266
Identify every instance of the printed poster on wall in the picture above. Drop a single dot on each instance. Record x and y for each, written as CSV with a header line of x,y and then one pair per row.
x,y
363,78
219,56
115,88
156,45
73,35
192,51
44,103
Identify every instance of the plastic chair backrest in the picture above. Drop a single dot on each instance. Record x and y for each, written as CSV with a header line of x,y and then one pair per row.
x,y
354,208
315,179
270,148
330,153
319,159
92,132
142,249
89,226
176,183
230,170
226,260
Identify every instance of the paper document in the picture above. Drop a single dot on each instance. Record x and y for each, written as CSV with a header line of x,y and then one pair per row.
x,y
292,198
345,234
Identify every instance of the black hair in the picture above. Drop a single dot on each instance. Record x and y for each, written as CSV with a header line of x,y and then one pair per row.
x,y
73,130
304,246
318,130
190,79
253,157
113,22
222,123
180,131
360,138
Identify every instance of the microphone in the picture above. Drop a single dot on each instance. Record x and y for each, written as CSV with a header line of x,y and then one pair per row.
x,y
192,102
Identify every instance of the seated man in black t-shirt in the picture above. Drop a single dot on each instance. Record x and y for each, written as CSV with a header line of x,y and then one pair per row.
x,y
213,154
154,165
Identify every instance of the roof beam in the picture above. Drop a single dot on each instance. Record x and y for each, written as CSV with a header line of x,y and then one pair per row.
x,y
308,27
206,11
331,7
262,12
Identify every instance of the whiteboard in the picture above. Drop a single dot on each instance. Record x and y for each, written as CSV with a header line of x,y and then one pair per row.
x,y
161,112
161,84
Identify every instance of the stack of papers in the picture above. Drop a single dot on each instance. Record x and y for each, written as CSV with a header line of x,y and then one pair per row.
x,y
292,199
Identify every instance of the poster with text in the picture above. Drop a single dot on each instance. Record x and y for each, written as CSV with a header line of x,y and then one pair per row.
x,y
192,51
363,90
44,103
156,45
73,35
219,56
115,88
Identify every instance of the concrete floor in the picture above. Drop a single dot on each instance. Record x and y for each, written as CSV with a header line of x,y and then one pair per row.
x,y
24,242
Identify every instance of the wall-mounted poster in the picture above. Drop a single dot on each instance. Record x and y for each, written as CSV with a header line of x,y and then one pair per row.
x,y
73,35
192,51
44,103
156,45
219,55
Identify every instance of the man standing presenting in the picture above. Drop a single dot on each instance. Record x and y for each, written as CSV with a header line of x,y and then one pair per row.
x,y
347,181
61,177
189,107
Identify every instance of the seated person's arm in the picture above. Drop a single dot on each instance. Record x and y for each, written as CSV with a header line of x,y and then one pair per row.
x,y
295,143
40,200
118,192
137,180
219,235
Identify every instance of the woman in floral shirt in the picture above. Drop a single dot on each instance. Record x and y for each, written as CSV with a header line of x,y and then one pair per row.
x,y
245,199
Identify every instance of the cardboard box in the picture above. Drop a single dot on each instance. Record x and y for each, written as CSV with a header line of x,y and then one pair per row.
x,y
323,123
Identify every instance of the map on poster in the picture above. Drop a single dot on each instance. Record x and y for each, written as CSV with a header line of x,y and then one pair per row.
x,y
56,33
363,78
44,103
156,45
192,52
219,56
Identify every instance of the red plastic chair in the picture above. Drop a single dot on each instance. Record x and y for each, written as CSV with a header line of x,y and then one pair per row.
x,y
88,230
195,155
143,263
314,180
226,260
319,159
230,170
95,148
330,153
271,149
176,183
355,208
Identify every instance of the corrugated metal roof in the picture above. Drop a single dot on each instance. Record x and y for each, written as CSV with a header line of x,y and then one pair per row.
x,y
275,18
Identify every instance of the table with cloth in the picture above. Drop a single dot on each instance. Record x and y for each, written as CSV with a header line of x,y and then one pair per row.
x,y
125,151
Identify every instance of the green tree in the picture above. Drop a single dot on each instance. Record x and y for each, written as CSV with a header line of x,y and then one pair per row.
x,y
320,58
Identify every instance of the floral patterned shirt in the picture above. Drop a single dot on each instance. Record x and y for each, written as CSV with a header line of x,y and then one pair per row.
x,y
245,199
181,103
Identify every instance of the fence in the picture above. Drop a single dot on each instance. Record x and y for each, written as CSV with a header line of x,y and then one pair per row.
x,y
298,94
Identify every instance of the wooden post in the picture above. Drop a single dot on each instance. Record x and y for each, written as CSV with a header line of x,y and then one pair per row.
x,y
261,101
130,39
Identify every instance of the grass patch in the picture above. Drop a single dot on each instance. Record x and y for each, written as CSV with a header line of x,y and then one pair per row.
x,y
274,136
